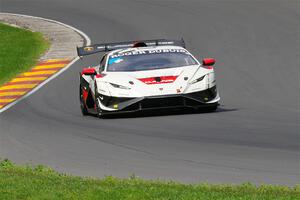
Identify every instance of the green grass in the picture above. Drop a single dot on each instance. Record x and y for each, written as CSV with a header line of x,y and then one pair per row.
x,y
25,182
19,50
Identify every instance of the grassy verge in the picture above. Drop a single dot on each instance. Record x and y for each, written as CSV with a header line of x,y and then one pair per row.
x,y
25,182
19,50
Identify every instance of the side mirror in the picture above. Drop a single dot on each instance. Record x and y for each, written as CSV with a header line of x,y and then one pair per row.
x,y
89,71
208,61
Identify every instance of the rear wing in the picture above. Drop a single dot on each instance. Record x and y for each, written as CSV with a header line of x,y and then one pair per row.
x,y
96,48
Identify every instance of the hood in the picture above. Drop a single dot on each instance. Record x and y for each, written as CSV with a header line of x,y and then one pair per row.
x,y
151,82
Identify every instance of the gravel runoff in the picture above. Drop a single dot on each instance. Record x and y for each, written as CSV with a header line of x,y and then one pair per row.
x,y
63,39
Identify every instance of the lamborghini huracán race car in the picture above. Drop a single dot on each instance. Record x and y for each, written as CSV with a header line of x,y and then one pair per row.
x,y
144,75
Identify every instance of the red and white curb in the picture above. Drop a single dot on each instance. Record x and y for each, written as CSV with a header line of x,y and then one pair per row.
x,y
29,82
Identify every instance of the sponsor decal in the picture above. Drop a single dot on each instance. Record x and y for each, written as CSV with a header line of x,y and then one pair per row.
x,y
159,80
88,49
155,51
114,60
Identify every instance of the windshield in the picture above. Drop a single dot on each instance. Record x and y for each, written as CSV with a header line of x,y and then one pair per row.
x,y
149,60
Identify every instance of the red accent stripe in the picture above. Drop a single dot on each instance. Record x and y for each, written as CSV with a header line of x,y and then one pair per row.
x,y
163,80
22,83
11,97
15,90
53,63
3,103
37,75
85,95
48,69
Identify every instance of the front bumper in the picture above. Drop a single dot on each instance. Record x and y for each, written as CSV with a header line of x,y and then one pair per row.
x,y
198,99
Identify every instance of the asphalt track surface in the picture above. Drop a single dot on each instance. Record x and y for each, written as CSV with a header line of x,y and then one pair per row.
x,y
254,136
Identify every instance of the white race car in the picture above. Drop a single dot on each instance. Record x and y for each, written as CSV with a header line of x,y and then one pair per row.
x,y
150,74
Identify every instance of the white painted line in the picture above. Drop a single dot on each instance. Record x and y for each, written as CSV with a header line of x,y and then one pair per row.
x,y
87,40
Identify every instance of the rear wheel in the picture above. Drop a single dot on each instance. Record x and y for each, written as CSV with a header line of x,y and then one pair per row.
x,y
83,108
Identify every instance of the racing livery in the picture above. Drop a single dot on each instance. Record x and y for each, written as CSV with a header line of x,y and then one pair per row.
x,y
150,74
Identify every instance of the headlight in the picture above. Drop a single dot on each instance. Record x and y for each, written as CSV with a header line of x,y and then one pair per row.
x,y
197,80
120,86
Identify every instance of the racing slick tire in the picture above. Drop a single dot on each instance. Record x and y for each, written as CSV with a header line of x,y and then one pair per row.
x,y
83,108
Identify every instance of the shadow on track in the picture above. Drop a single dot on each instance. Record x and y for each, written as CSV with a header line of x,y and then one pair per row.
x,y
165,112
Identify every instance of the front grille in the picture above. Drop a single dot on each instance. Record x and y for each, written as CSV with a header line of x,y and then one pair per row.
x,y
162,102
195,99
133,107
192,103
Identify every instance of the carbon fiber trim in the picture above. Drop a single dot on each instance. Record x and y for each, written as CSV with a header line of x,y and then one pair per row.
x,y
203,96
